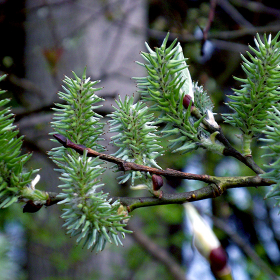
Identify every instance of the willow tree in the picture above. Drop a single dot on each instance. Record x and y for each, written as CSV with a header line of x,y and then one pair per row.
x,y
171,105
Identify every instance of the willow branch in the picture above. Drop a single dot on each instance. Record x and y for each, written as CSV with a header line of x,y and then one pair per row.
x,y
209,191
228,150
126,166
219,181
216,185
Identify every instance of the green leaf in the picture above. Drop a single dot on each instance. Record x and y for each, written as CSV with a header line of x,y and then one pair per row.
x,y
87,210
137,137
260,90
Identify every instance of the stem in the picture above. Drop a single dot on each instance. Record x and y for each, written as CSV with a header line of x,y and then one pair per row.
x,y
216,185
229,150
219,181
210,191
126,166
247,140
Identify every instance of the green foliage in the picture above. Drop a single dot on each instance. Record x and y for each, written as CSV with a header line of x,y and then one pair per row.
x,y
256,104
137,137
184,109
259,90
273,143
13,178
168,81
202,100
89,214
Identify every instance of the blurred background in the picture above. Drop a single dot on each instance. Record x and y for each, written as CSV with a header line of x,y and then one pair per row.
x,y
44,40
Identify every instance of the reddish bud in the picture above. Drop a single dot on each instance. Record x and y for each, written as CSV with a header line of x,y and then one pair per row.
x,y
218,259
157,182
187,100
31,207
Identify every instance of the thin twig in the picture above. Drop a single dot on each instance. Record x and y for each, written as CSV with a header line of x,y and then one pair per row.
x,y
228,150
210,18
220,35
209,191
234,13
158,253
208,25
257,7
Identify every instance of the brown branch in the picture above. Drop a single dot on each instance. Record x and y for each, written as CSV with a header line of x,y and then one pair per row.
x,y
126,166
216,185
210,18
208,25
212,190
26,85
209,191
159,254
220,35
225,182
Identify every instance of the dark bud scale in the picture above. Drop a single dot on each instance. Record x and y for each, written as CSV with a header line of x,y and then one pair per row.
x,y
157,182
